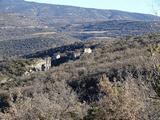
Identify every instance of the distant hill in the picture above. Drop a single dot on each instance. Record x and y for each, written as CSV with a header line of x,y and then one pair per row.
x,y
113,28
20,18
50,14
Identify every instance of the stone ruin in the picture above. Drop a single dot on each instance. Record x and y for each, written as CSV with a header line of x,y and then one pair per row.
x,y
42,64
57,59
39,65
88,50
58,56
76,54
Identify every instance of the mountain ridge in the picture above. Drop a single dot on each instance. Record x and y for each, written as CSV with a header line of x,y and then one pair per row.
x,y
67,14
89,8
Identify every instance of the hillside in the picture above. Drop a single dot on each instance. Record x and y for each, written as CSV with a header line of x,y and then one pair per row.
x,y
71,63
114,28
32,44
118,80
20,19
45,13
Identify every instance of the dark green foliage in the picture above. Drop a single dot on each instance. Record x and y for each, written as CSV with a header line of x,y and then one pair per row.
x,y
4,102
87,88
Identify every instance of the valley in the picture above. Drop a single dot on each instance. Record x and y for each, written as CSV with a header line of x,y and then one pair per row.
x,y
71,63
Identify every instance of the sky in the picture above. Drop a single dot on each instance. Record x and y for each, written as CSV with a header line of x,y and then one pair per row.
x,y
139,6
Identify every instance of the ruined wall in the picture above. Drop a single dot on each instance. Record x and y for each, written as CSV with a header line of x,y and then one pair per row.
x,y
41,65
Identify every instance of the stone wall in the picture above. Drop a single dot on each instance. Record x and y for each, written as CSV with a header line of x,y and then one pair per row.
x,y
41,64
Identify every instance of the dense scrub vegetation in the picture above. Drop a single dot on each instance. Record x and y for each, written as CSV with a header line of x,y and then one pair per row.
x,y
22,19
119,80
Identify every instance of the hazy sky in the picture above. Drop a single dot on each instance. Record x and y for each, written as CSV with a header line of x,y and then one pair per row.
x,y
141,6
